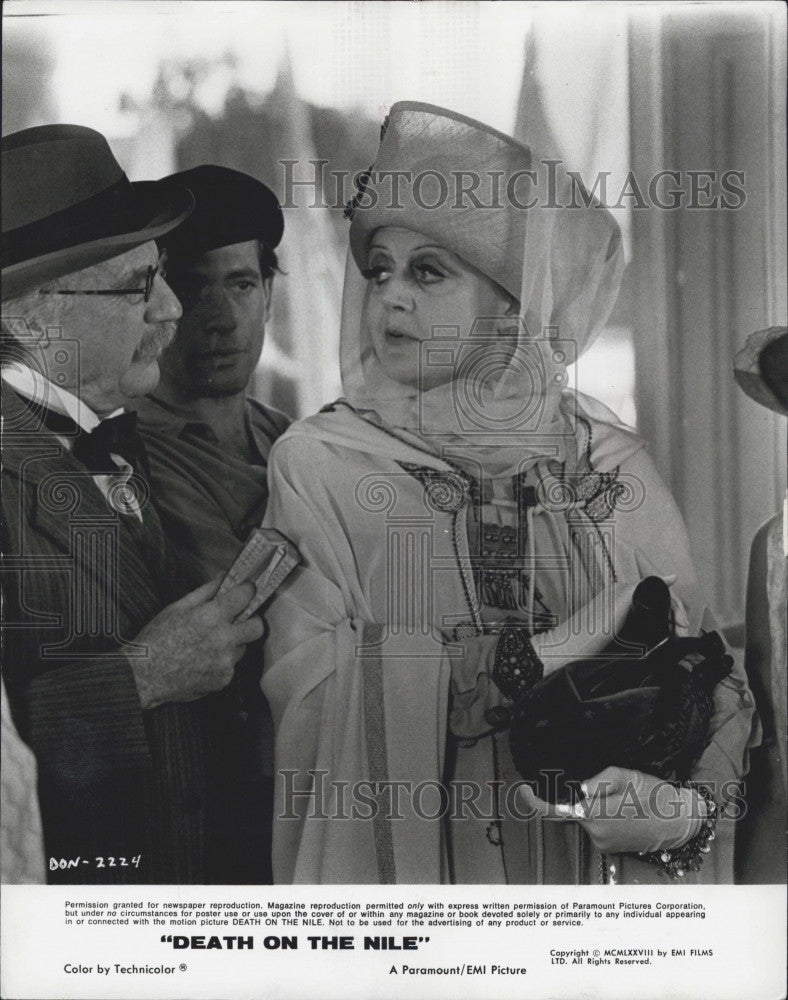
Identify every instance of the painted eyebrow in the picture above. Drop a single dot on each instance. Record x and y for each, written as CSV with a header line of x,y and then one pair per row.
x,y
424,246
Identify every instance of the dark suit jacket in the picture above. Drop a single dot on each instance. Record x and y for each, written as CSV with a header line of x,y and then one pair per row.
x,y
79,582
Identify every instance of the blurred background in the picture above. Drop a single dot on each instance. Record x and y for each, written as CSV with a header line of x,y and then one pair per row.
x,y
618,91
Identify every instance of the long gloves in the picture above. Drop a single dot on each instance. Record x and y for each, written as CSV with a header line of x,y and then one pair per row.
x,y
627,811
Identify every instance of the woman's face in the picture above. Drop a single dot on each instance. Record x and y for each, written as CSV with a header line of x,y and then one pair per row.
x,y
416,289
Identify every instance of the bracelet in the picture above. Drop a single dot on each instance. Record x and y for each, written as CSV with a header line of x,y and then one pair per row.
x,y
677,862
517,667
470,630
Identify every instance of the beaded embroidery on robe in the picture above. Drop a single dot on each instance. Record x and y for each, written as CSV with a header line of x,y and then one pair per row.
x,y
501,554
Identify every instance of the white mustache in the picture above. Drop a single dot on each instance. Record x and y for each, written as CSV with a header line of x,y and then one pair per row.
x,y
153,344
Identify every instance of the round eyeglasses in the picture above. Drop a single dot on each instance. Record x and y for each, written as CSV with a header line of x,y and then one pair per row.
x,y
159,268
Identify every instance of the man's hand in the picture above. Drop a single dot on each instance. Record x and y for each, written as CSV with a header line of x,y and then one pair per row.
x,y
193,645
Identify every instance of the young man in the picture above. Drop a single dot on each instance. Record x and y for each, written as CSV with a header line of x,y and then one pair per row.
x,y
208,442
100,669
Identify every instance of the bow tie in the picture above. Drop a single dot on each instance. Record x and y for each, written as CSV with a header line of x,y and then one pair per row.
x,y
115,435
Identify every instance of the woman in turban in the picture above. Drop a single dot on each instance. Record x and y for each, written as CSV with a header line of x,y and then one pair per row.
x,y
467,524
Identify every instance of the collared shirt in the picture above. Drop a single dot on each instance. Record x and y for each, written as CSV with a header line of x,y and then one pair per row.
x,y
34,386
208,500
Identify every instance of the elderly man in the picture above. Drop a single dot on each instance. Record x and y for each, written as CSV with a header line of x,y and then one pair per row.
x,y
100,669
208,442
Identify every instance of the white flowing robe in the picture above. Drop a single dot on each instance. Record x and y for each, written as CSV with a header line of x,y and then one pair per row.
x,y
360,682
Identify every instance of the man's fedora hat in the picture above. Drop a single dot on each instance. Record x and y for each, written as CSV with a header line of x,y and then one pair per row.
x,y
231,207
67,204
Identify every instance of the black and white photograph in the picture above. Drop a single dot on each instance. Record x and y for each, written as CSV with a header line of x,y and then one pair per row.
x,y
394,499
